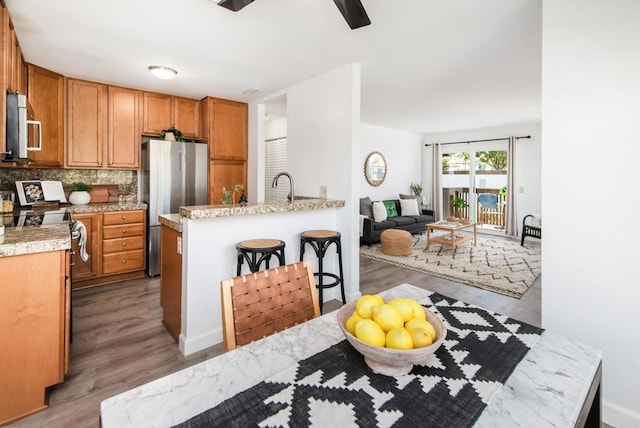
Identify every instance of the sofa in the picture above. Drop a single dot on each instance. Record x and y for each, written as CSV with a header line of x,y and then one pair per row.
x,y
413,220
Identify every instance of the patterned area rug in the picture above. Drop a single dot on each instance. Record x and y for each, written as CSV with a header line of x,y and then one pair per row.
x,y
498,265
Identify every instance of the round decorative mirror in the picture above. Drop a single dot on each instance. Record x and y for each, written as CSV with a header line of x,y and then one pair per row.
x,y
375,168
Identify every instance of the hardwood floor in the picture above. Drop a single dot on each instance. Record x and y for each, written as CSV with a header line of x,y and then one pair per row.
x,y
119,341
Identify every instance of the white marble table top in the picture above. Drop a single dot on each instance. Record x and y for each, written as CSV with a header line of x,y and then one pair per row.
x,y
547,388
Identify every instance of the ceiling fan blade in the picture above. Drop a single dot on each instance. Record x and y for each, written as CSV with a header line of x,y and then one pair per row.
x,y
353,13
234,5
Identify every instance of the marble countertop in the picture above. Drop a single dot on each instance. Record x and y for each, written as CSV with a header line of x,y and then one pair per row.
x,y
34,239
547,388
302,204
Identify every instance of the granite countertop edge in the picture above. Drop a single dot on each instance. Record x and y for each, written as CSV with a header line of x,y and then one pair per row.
x,y
171,220
213,211
40,239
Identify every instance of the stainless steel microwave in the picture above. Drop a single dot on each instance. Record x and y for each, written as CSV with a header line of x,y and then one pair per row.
x,y
23,134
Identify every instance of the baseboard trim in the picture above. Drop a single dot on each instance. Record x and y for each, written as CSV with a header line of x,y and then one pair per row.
x,y
615,415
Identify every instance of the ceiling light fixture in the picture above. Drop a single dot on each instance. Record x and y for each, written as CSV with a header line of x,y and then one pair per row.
x,y
161,72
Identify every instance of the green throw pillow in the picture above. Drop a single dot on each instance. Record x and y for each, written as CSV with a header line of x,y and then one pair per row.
x,y
391,209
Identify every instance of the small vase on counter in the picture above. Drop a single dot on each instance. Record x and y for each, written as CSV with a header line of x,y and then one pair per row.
x,y
80,197
80,194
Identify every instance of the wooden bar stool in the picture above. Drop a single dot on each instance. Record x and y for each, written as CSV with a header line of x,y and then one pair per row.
x,y
256,251
320,240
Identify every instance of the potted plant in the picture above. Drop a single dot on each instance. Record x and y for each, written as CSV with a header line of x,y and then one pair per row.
x,y
172,134
228,196
417,190
80,193
458,204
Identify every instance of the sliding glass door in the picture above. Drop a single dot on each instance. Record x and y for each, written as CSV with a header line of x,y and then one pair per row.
x,y
474,183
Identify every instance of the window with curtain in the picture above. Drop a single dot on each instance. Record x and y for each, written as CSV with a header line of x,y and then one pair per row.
x,y
275,159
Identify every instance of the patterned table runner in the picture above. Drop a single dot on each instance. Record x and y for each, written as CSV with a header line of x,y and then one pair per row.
x,y
336,388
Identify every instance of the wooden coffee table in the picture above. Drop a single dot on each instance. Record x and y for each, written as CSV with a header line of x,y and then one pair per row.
x,y
450,240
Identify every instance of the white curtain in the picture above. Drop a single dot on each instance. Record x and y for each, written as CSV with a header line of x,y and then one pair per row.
x,y
511,224
436,181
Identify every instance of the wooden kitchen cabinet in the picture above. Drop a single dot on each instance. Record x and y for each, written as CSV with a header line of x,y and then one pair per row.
x,y
162,111
86,123
225,173
123,135
123,245
13,69
171,280
157,113
187,117
91,268
45,93
103,122
225,128
116,242
34,345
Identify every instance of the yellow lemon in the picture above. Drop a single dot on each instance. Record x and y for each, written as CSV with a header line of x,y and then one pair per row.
x,y
418,323
420,337
399,338
368,331
404,306
379,297
418,310
350,325
365,305
387,317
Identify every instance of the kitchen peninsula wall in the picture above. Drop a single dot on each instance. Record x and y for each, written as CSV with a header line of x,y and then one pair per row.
x,y
126,180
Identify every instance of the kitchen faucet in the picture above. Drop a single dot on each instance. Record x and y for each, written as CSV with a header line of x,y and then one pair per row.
x,y
275,183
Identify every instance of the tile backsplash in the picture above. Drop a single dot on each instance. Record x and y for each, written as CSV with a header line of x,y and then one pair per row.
x,y
126,180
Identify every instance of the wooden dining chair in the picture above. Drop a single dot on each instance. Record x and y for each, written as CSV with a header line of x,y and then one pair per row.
x,y
265,302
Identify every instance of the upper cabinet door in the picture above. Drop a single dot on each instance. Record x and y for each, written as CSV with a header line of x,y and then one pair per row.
x,y
86,123
124,141
157,113
187,117
46,96
227,129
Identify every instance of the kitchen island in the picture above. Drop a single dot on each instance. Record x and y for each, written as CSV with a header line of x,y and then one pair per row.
x,y
207,250
556,383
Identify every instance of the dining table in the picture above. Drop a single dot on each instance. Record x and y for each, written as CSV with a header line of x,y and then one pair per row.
x,y
490,371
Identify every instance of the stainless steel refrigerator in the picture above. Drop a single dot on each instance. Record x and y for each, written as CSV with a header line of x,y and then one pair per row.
x,y
173,175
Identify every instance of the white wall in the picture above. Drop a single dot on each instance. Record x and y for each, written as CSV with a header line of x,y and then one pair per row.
x,y
402,151
590,147
323,149
528,160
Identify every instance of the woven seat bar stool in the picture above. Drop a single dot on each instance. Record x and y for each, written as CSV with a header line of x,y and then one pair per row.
x,y
256,251
320,240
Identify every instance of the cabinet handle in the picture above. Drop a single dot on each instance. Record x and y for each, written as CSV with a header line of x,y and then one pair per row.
x,y
124,262
100,163
124,230
124,244
110,163
124,217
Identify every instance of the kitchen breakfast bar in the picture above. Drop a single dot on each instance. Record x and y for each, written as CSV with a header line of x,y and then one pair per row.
x,y
199,250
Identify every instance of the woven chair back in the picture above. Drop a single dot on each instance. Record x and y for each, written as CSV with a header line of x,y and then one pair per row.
x,y
266,302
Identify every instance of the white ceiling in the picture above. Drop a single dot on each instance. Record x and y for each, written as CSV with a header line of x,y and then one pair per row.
x,y
427,65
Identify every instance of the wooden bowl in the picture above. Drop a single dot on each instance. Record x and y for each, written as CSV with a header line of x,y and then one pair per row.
x,y
386,361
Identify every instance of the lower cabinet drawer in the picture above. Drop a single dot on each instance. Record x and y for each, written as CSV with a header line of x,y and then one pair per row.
x,y
123,244
122,262
123,231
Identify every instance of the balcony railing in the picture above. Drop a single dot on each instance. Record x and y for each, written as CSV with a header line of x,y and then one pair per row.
x,y
485,216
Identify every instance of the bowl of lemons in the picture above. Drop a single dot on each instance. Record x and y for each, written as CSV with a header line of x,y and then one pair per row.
x,y
392,336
